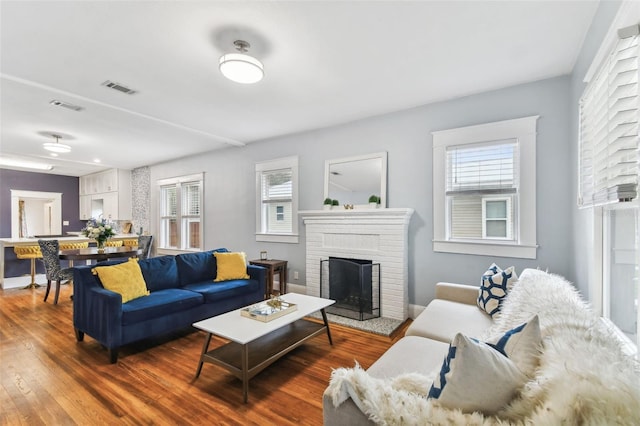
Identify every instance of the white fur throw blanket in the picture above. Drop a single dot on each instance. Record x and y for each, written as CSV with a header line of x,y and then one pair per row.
x,y
583,377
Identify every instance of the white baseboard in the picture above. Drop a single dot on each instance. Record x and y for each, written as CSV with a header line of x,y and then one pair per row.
x,y
296,288
23,281
415,310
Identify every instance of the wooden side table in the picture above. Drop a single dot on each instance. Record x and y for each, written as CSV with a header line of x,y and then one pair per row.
x,y
273,266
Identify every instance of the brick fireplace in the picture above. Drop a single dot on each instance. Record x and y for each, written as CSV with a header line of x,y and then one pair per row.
x,y
380,235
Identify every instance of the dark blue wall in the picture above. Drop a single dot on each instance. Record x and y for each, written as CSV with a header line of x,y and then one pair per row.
x,y
27,181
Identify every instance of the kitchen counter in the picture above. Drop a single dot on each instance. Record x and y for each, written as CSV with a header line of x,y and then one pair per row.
x,y
12,242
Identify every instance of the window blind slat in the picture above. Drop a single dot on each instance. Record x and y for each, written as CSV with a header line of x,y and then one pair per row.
x,y
482,168
276,185
609,129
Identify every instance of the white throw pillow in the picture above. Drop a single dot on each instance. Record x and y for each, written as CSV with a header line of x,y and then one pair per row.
x,y
494,286
476,377
521,345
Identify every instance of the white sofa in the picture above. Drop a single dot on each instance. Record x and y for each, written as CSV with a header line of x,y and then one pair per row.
x,y
583,375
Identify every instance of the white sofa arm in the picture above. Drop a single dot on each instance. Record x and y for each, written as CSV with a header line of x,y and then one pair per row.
x,y
460,293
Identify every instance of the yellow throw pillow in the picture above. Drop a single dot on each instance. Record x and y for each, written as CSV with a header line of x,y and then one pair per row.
x,y
124,278
231,266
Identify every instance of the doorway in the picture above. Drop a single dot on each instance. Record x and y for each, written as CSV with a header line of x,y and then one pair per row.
x,y
35,213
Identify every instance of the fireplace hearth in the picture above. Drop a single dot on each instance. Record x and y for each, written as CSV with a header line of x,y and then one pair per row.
x,y
355,286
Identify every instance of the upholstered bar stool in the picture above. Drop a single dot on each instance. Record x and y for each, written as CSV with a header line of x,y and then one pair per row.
x,y
32,253
130,243
73,246
113,243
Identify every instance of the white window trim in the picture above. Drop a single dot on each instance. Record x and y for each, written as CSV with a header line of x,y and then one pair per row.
x,y
277,164
508,218
628,14
174,181
522,129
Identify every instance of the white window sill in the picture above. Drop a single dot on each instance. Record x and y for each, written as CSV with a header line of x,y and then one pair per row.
x,y
485,248
278,238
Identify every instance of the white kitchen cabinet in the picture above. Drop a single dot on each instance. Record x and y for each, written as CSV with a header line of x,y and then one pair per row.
x,y
106,194
107,181
85,207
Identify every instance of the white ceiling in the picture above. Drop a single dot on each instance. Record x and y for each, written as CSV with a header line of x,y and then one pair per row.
x,y
326,63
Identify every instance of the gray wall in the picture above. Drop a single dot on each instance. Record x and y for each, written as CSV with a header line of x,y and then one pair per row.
x,y
406,136
583,219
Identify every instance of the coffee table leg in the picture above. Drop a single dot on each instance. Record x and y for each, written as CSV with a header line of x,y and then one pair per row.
x,y
245,373
205,348
326,324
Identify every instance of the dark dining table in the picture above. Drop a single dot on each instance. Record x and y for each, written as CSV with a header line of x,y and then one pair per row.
x,y
92,253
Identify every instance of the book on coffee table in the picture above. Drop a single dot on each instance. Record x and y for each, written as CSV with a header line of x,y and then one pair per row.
x,y
268,310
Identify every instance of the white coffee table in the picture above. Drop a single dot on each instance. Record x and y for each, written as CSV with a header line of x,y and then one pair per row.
x,y
254,345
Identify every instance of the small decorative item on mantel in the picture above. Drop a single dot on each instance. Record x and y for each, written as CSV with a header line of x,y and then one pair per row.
x,y
335,204
99,230
374,200
327,204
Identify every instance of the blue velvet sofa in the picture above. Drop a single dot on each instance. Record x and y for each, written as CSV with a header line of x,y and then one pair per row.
x,y
182,292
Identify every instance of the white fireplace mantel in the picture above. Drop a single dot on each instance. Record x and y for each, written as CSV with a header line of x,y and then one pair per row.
x,y
380,235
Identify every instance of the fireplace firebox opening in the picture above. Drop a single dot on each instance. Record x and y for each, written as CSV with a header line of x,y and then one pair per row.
x,y
355,286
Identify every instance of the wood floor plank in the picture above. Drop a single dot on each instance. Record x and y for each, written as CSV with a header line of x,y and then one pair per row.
x,y
47,377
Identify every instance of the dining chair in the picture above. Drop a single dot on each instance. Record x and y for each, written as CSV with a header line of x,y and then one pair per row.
x,y
32,253
144,244
51,258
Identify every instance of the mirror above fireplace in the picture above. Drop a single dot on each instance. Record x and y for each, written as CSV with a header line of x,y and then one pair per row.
x,y
352,180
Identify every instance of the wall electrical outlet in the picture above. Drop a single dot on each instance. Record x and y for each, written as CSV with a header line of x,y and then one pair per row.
x,y
296,275
65,223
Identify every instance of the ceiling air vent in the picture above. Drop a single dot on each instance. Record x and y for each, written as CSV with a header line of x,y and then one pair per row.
x,y
119,87
67,105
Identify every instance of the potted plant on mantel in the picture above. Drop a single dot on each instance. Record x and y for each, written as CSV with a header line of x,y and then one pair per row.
x,y
335,204
374,200
327,204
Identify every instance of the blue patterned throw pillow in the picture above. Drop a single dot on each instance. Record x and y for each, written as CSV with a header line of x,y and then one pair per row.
x,y
476,377
521,345
494,287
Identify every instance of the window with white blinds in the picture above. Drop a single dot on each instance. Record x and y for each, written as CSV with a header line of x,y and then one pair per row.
x,y
276,200
277,196
609,142
476,175
181,213
484,189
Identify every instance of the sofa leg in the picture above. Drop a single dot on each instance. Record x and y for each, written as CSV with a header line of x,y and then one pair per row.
x,y
113,355
79,335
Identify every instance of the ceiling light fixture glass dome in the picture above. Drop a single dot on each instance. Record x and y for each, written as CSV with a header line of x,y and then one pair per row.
x,y
240,67
56,146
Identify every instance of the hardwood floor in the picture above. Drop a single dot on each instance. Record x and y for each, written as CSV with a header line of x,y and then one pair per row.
x,y
49,378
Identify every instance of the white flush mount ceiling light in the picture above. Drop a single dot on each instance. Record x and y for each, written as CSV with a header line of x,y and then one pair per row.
x,y
56,146
240,67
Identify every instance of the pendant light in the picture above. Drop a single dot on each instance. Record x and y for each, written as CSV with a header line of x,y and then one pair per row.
x,y
240,67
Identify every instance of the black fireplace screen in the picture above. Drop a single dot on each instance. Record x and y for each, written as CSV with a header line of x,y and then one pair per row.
x,y
355,286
